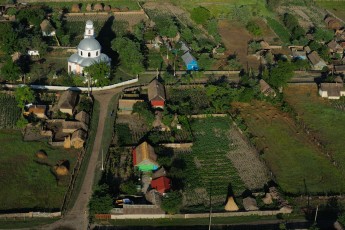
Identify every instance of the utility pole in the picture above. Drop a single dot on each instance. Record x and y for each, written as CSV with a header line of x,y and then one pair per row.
x,y
317,209
102,161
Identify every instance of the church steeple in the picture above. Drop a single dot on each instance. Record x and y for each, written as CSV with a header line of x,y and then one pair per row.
x,y
89,30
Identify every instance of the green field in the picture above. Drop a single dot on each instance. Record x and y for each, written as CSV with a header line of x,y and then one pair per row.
x,y
279,29
336,7
132,5
297,164
26,184
208,165
326,122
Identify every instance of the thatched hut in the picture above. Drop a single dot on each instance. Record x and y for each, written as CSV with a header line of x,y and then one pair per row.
x,y
231,206
41,154
75,8
88,7
107,8
98,7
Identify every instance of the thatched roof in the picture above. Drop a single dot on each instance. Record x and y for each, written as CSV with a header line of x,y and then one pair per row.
x,y
144,153
250,204
67,100
231,206
83,117
156,90
79,135
46,26
333,89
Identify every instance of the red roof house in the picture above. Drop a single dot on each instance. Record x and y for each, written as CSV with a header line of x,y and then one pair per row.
x,y
161,184
156,94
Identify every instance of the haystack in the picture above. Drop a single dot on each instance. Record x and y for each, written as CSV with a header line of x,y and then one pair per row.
x,y
125,9
267,199
250,204
41,154
61,170
231,206
107,8
88,7
75,8
115,9
98,7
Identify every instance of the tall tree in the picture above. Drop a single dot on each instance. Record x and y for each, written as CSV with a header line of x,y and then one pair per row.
x,y
23,95
200,15
99,73
279,75
10,71
8,38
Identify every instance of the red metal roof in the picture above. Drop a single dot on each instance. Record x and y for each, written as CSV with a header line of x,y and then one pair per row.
x,y
161,184
157,103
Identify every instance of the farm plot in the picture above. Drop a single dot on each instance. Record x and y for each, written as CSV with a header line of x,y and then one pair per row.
x,y
286,149
335,7
9,111
28,182
208,164
325,121
236,38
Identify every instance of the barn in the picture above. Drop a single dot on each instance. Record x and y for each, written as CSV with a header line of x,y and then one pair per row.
x,y
156,94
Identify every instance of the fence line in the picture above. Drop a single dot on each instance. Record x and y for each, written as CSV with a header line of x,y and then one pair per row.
x,y
74,88
30,215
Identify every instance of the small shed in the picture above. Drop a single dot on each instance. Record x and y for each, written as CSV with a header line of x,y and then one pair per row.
x,y
67,102
161,184
47,29
144,157
266,89
184,47
335,47
332,90
190,62
33,53
78,139
316,61
156,94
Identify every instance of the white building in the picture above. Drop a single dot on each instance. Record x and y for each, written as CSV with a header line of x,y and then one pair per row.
x,y
89,52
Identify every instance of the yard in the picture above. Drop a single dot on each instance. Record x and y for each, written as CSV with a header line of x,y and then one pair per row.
x,y
322,117
27,182
286,149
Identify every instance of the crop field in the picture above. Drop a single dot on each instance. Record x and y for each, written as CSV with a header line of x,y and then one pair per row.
x,y
9,111
336,7
279,29
27,182
208,165
323,117
286,149
131,5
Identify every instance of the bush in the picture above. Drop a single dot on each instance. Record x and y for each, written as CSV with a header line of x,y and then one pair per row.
x,y
172,202
128,188
200,15
254,28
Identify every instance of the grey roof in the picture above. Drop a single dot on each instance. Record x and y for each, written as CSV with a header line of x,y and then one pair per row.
x,y
156,90
84,62
187,58
184,47
89,44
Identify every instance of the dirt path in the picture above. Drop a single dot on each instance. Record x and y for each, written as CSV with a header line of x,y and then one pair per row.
x,y
77,217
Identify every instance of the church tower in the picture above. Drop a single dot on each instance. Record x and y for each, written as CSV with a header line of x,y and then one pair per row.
x,y
89,30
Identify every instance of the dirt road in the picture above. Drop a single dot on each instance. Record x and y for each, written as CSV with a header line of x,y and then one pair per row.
x,y
77,217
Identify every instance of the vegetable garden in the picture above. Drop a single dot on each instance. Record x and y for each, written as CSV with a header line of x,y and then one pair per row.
x,y
9,111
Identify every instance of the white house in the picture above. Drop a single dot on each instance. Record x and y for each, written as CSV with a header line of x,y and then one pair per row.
x,y
33,53
89,52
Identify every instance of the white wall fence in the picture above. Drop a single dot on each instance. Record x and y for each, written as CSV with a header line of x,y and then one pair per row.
x,y
30,215
74,88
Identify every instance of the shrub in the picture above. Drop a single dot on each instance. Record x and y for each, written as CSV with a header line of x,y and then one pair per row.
x,y
200,15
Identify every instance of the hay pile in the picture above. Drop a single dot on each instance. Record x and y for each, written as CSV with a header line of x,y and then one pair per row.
x,y
107,8
62,168
41,154
88,7
98,7
231,206
75,8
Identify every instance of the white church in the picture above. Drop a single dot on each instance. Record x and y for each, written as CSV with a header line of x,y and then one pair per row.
x,y
89,52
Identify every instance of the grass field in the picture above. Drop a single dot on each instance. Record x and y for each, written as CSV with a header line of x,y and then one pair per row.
x,y
279,29
132,5
336,7
24,183
325,121
286,150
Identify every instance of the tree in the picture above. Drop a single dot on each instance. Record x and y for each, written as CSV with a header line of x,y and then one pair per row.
x,y
172,202
24,94
38,44
33,16
273,4
99,72
165,25
323,35
187,34
8,38
234,64
10,71
279,75
205,62
128,187
242,14
143,109
130,55
200,15
254,28
101,201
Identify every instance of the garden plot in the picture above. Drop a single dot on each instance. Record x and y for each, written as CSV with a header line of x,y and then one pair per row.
x,y
9,111
285,149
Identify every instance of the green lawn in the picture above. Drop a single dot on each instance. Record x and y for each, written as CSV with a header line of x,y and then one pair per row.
x,y
296,163
336,7
326,122
24,183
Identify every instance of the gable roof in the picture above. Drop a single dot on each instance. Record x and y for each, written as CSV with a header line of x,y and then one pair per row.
x,y
187,58
144,154
79,134
333,89
266,89
333,45
156,90
46,26
184,47
67,100
83,117
315,58
73,125
161,184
